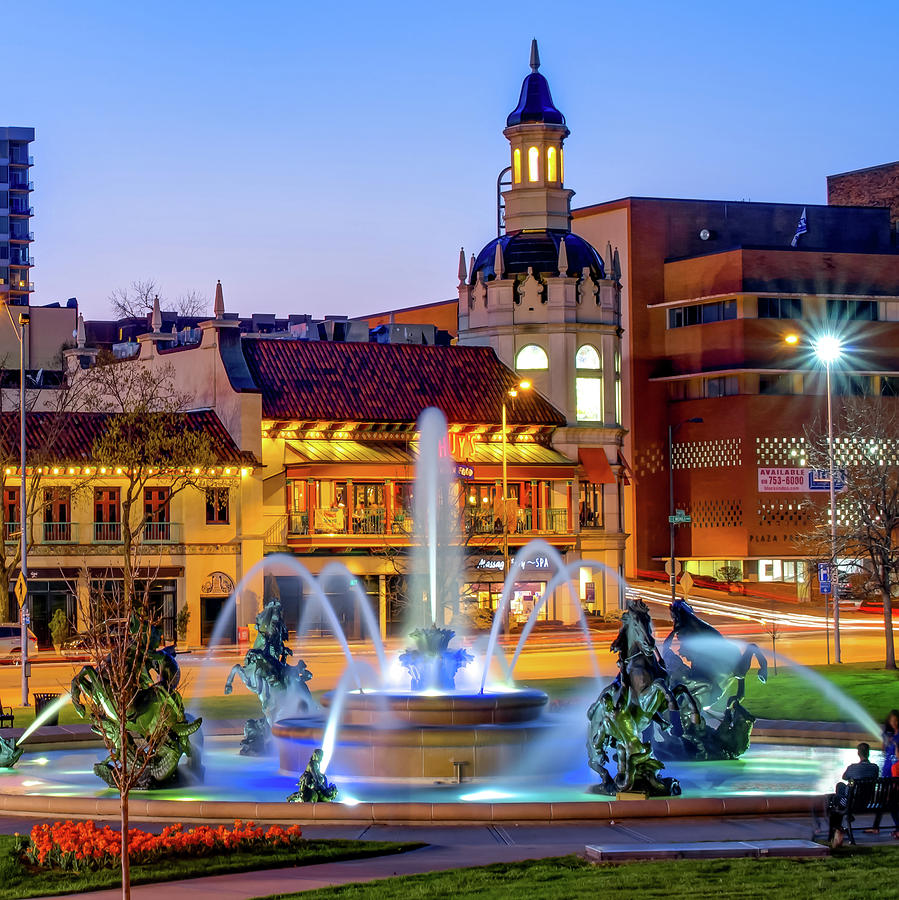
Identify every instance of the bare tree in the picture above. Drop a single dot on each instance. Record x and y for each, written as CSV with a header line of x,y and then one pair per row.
x,y
148,440
127,689
136,301
867,451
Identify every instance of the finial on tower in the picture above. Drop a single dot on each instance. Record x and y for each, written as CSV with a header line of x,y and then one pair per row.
x,y
535,56
471,272
563,259
80,337
499,265
218,308
156,319
463,274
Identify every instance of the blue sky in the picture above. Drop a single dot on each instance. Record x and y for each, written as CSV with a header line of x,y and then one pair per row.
x,y
332,157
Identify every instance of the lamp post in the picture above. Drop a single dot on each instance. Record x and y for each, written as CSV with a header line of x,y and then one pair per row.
x,y
671,523
24,319
828,349
510,394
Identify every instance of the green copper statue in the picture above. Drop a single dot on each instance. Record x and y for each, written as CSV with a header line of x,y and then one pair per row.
x,y
9,753
281,687
313,787
155,716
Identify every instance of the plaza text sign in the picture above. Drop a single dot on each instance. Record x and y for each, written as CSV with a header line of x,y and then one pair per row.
x,y
787,480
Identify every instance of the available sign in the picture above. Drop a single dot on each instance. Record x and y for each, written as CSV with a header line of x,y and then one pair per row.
x,y
785,480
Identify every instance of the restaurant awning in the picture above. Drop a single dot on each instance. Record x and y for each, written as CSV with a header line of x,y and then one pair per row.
x,y
596,465
518,454
348,451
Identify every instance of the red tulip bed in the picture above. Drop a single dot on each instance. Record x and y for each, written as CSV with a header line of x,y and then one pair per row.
x,y
86,846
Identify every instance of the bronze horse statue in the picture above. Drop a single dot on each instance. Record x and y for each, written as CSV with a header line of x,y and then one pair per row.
x,y
624,711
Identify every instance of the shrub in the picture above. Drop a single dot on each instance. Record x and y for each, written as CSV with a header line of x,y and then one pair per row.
x,y
181,621
59,628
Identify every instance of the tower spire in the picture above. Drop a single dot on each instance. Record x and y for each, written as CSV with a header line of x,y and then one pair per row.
x,y
156,318
535,55
499,265
463,274
218,308
563,259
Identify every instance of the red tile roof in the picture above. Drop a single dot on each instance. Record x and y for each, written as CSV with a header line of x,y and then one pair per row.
x,y
73,435
361,382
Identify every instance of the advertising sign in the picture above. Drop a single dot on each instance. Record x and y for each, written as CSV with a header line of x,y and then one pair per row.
x,y
779,480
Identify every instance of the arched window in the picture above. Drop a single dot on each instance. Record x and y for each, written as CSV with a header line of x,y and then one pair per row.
x,y
551,164
531,356
588,384
516,165
533,164
561,166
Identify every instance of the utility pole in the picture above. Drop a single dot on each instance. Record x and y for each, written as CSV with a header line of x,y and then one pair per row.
x,y
22,584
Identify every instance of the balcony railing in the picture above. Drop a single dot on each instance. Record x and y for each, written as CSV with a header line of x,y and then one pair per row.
x,y
12,532
107,532
369,521
21,159
20,184
21,236
557,520
298,523
161,532
60,532
19,209
16,284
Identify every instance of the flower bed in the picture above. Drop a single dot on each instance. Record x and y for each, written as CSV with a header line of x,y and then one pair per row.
x,y
78,846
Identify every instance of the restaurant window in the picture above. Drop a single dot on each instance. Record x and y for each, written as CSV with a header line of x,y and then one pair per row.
x,y
775,384
722,386
57,514
531,356
368,495
217,506
592,506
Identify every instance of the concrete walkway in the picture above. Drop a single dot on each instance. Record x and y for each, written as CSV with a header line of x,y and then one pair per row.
x,y
453,847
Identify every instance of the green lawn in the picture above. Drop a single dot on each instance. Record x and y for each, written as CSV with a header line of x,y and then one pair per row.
x,y
17,881
789,694
848,875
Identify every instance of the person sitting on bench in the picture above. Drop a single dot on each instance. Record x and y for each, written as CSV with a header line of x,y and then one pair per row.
x,y
837,806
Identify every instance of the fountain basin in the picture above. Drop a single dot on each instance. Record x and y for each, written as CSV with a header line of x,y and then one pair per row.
x,y
421,736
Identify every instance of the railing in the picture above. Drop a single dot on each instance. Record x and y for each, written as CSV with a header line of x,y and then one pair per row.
x,y
161,532
12,532
369,521
60,532
107,532
17,209
402,523
479,522
298,523
17,285
19,184
276,536
21,159
557,520
21,236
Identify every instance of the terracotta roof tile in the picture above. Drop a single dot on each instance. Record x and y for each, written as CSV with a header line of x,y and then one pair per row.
x,y
364,382
73,439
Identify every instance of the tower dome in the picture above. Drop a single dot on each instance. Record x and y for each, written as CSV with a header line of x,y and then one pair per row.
x,y
538,251
535,105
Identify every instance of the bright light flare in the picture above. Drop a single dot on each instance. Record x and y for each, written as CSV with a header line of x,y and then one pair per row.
x,y
792,338
828,348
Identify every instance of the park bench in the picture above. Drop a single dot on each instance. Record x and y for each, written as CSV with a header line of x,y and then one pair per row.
x,y
867,795
7,719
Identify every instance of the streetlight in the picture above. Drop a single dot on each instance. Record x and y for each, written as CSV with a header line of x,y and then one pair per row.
x,y
511,394
671,523
24,320
829,348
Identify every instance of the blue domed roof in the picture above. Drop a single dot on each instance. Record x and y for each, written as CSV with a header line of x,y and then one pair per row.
x,y
535,105
538,250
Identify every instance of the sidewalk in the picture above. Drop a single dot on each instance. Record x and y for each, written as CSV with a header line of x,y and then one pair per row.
x,y
463,846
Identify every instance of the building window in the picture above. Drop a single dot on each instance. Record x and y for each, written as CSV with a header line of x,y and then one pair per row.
x,y
775,384
780,308
889,386
852,310
107,515
702,313
618,412
217,506
516,165
57,515
157,523
531,356
852,385
588,388
551,164
533,164
723,386
10,514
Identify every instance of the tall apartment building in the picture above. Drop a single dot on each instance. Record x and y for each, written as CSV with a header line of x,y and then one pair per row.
x,y
15,214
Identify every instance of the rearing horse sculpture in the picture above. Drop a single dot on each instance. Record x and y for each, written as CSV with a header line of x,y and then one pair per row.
x,y
627,707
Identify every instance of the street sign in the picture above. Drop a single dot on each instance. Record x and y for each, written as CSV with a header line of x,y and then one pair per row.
x,y
819,480
824,584
26,615
686,584
680,517
677,567
21,589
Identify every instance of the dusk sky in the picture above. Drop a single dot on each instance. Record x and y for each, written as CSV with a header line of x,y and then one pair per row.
x,y
331,158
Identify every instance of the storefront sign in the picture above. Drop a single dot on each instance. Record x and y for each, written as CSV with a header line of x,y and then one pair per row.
x,y
496,563
490,563
464,471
